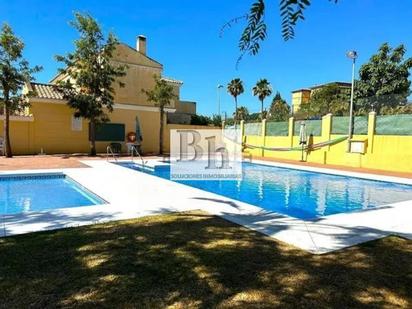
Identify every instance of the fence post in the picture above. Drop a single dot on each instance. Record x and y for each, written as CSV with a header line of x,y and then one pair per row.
x,y
242,129
326,132
326,127
263,134
291,130
371,130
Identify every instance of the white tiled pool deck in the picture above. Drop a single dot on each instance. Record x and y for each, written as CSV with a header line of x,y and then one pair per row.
x,y
132,194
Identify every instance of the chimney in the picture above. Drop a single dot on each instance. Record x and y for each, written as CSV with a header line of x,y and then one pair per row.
x,y
141,44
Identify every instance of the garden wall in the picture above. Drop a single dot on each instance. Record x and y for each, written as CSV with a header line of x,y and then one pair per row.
x,y
387,141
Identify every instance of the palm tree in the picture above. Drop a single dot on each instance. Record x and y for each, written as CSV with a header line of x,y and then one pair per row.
x,y
262,89
162,95
235,88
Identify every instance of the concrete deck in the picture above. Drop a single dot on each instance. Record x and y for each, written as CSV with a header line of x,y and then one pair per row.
x,y
132,194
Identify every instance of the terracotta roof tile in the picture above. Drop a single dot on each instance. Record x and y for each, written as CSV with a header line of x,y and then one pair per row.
x,y
46,91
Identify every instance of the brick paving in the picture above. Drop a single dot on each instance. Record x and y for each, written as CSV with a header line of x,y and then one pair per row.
x,y
40,162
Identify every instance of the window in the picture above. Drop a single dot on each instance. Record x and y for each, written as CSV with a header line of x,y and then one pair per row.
x,y
109,132
77,124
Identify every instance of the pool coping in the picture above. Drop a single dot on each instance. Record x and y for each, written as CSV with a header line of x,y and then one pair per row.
x,y
331,171
139,194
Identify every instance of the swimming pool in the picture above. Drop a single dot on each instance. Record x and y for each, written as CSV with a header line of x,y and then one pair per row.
x,y
23,193
296,193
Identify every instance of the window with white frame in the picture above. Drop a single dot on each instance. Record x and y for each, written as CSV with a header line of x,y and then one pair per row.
x,y
77,123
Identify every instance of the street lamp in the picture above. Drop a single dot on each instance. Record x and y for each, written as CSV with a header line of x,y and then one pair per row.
x,y
218,98
352,55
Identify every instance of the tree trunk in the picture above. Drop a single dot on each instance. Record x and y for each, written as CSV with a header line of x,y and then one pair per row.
x,y
7,151
235,112
92,137
261,110
161,131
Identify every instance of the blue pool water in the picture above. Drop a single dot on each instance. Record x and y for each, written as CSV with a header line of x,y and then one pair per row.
x,y
300,194
33,193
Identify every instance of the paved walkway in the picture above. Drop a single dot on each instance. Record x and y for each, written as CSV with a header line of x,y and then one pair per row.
x,y
74,161
336,167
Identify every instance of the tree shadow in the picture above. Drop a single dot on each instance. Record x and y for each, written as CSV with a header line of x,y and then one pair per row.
x,y
195,260
51,220
227,202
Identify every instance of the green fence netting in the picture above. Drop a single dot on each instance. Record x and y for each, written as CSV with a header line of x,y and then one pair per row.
x,y
394,125
340,125
277,128
312,127
253,128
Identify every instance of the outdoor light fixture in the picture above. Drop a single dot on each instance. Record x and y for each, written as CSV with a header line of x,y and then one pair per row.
x,y
352,55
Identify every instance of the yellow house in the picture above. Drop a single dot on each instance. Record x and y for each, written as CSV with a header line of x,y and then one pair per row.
x,y
51,127
302,96
299,97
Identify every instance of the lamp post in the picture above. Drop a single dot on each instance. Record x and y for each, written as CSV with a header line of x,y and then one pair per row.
x,y
352,55
218,98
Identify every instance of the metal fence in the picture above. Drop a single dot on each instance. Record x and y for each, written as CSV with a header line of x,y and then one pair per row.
x,y
277,128
394,125
340,125
253,128
385,125
313,127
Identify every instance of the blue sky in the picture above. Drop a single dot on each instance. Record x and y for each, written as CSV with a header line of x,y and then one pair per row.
x,y
184,36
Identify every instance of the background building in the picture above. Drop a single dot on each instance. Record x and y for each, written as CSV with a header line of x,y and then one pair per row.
x,y
302,96
49,125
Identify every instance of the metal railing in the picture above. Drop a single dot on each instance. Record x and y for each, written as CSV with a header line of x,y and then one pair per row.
x,y
109,151
134,150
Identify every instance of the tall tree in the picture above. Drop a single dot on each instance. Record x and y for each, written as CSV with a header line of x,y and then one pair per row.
x,y
91,74
235,88
162,95
279,109
329,99
14,72
383,83
262,90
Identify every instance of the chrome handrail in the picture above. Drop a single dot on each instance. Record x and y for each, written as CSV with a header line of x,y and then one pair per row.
x,y
133,149
109,151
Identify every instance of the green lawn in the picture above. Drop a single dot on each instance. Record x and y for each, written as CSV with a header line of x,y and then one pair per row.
x,y
196,260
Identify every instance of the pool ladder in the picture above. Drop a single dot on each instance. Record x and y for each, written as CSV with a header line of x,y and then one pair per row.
x,y
134,150
109,151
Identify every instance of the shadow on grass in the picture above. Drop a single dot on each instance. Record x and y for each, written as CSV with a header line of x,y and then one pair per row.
x,y
195,260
